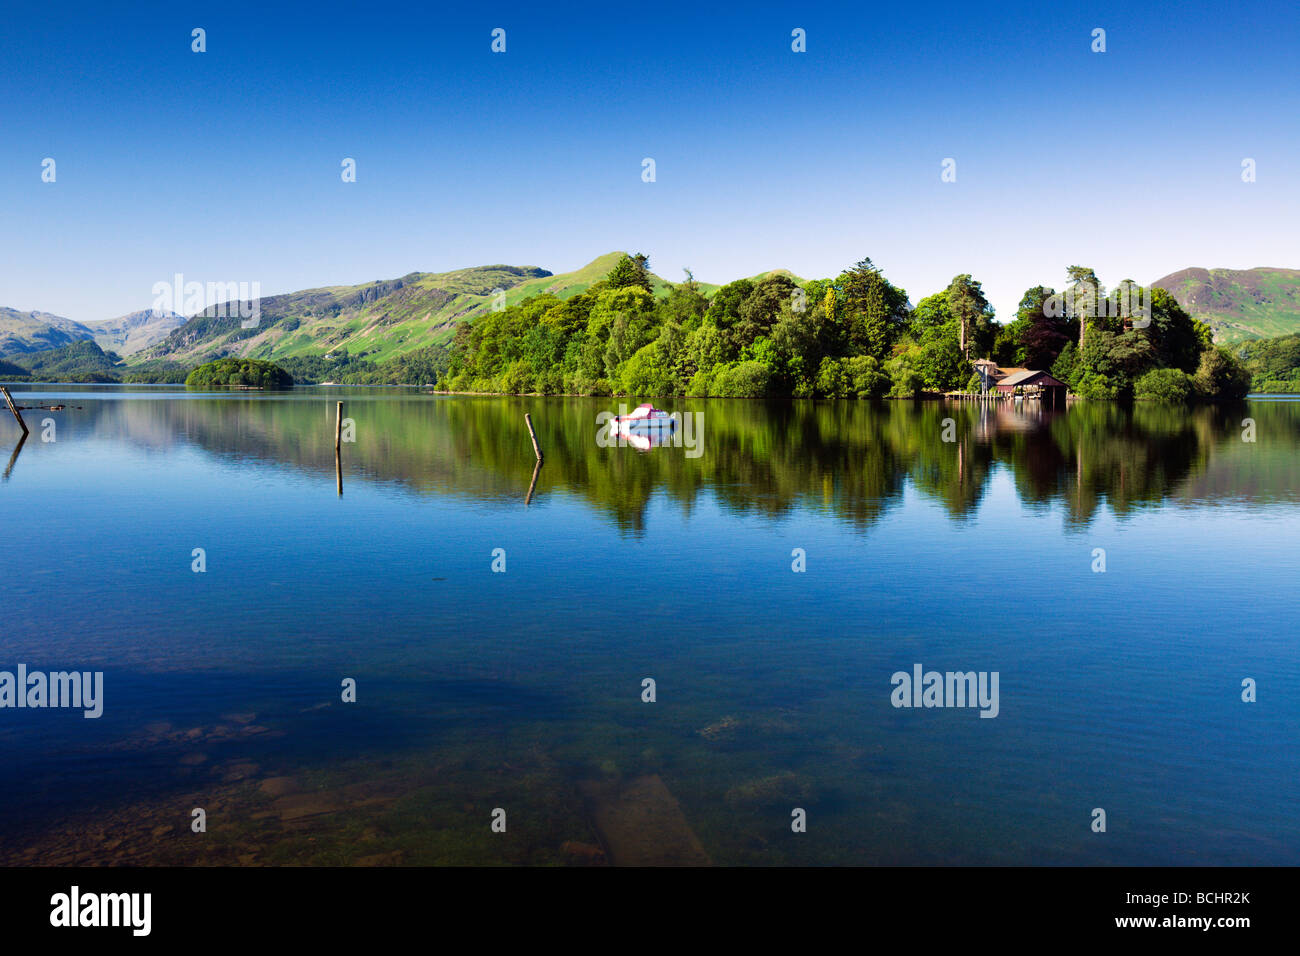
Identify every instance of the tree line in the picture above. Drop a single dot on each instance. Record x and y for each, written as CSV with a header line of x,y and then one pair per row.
x,y
854,336
1274,364
87,362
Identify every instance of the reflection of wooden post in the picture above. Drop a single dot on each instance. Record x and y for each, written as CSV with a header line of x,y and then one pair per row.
x,y
14,457
528,419
338,446
528,498
23,425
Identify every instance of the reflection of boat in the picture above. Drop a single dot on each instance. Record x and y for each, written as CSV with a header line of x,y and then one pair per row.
x,y
645,427
646,438
645,418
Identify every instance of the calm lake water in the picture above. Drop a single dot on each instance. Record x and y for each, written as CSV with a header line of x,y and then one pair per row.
x,y
522,690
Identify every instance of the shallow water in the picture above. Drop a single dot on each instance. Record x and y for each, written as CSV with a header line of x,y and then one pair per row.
x,y
522,690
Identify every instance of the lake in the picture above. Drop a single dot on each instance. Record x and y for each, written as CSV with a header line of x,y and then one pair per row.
x,y
769,581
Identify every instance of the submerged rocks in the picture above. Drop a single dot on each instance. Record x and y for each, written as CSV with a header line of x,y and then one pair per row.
x,y
642,824
720,729
780,788
278,786
239,771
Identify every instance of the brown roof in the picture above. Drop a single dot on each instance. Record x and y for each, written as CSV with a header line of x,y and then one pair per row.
x,y
1025,376
995,372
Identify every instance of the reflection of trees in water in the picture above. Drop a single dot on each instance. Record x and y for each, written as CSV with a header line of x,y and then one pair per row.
x,y
1099,451
953,473
770,459
849,459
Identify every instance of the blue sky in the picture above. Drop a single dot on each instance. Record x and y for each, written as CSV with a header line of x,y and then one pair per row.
x,y
225,165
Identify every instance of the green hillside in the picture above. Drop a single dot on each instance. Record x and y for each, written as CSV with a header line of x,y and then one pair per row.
x,y
1239,304
81,361
377,320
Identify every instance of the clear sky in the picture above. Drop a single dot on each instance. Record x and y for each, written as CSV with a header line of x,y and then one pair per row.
x,y
225,165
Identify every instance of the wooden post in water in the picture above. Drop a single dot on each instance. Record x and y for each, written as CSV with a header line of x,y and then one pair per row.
x,y
528,420
23,425
338,448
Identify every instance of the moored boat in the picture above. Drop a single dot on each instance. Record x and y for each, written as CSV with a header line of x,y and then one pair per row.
x,y
645,417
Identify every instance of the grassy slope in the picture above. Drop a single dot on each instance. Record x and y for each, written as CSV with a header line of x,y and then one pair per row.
x,y
378,319
1239,304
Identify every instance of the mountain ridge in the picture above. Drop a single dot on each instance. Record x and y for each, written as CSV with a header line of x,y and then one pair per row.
x,y
1239,304
22,333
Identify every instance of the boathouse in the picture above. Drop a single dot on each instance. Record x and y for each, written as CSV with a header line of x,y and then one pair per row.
x,y
1032,384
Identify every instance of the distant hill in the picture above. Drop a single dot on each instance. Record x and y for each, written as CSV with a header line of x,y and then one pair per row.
x,y
378,320
22,332
25,332
82,361
128,334
1239,304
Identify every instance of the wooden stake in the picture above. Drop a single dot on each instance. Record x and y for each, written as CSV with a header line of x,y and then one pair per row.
x,y
338,471
528,419
23,425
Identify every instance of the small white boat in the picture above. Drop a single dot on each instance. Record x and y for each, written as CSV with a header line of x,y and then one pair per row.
x,y
645,418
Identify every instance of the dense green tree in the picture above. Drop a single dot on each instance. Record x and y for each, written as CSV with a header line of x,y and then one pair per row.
x,y
741,380
974,315
1176,338
905,379
1221,377
724,309
685,303
934,343
1172,386
1274,364
1065,368
631,272
758,311
238,372
871,312
799,345
1042,335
